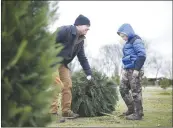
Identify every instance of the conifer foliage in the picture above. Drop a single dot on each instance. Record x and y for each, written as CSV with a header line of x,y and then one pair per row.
x,y
28,50
92,98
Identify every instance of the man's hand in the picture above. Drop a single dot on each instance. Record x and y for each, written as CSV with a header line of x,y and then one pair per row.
x,y
135,73
91,80
89,77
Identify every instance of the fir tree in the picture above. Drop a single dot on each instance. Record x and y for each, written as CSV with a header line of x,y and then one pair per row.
x,y
28,50
92,98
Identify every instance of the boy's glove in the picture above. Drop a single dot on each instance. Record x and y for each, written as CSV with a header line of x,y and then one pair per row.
x,y
135,73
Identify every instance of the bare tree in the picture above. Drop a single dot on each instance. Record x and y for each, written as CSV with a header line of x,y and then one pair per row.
x,y
156,63
167,69
148,50
111,58
153,61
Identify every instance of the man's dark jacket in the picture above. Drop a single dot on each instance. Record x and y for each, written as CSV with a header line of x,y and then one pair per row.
x,y
67,37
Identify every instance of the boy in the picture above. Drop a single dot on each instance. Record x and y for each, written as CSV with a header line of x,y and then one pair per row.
x,y
134,56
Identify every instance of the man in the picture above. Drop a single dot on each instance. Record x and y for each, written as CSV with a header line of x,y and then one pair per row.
x,y
133,61
72,38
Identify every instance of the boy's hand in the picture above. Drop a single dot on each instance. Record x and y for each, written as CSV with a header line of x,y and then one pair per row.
x,y
124,72
135,73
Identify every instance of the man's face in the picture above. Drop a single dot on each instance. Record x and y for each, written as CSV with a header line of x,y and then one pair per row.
x,y
84,29
123,36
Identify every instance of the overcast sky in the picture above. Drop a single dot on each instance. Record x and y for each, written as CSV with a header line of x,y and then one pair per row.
x,y
150,19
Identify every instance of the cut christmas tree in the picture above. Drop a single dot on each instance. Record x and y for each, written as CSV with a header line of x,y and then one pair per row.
x,y
92,98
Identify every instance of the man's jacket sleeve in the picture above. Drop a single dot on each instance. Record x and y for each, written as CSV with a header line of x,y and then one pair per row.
x,y
84,62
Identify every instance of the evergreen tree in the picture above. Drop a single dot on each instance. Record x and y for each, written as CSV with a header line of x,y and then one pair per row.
x,y
116,78
93,98
28,50
164,83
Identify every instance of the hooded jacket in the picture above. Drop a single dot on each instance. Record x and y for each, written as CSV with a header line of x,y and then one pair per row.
x,y
134,54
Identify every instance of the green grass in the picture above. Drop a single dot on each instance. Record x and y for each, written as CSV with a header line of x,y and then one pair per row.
x,y
165,93
157,113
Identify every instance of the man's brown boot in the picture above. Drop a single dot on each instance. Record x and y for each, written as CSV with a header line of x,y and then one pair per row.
x,y
70,115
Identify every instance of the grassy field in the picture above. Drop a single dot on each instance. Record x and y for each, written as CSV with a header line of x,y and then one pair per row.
x,y
157,105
